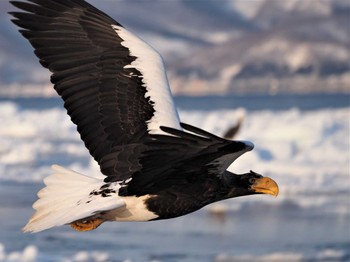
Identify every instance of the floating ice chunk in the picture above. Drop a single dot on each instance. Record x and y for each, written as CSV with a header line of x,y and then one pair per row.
x,y
30,254
323,255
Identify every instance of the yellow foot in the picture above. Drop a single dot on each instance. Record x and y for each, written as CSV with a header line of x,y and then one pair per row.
x,y
87,225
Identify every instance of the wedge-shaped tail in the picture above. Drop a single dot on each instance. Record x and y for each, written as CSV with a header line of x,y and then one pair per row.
x,y
69,197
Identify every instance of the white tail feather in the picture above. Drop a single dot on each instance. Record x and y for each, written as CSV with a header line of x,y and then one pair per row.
x,y
66,198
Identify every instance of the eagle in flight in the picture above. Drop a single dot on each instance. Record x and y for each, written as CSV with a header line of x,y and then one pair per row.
x,y
116,92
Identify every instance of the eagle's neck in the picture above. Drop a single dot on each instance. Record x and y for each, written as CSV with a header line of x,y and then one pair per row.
x,y
180,200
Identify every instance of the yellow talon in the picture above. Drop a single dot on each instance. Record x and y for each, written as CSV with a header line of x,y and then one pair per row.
x,y
86,225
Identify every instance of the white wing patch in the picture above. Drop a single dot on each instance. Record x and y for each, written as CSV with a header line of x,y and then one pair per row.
x,y
151,66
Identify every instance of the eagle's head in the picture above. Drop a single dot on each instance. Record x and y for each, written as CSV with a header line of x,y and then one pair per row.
x,y
249,184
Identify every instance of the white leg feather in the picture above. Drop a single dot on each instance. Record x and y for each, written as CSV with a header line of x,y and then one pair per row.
x,y
69,196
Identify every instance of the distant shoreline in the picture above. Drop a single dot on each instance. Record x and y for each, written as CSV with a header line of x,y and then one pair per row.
x,y
220,102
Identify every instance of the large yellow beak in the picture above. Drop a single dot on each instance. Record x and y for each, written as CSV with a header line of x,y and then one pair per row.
x,y
265,185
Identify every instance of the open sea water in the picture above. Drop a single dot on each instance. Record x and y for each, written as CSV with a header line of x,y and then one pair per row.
x,y
309,221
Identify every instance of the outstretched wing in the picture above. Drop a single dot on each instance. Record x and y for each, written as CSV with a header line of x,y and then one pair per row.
x,y
113,84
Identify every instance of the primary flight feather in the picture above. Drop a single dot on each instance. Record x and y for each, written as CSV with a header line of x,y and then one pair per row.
x,y
116,91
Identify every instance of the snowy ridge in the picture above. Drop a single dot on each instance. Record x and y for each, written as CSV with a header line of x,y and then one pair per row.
x,y
215,36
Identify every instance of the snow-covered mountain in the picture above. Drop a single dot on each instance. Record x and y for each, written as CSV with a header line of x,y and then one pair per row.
x,y
299,46
215,46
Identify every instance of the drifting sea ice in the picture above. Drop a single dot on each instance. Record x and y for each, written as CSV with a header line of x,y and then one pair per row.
x,y
306,152
31,254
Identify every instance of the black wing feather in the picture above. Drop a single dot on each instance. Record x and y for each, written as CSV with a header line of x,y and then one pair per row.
x,y
77,43
107,102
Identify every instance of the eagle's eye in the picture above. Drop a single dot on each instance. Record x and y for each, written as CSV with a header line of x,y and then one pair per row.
x,y
252,180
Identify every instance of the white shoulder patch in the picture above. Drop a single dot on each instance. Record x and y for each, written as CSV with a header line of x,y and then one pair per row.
x,y
150,64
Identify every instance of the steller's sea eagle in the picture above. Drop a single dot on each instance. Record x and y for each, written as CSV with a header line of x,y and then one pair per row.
x,y
116,91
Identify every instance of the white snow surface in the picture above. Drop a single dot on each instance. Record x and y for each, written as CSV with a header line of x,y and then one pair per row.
x,y
305,152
